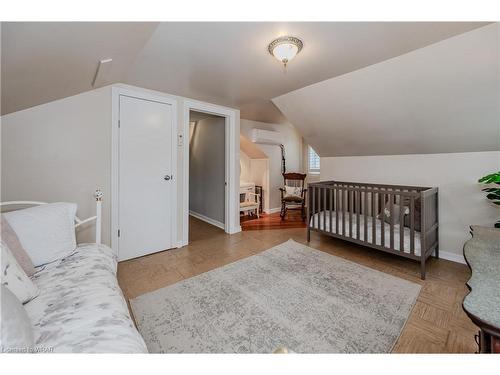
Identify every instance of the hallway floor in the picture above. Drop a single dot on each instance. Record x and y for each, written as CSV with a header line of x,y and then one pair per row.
x,y
272,221
437,323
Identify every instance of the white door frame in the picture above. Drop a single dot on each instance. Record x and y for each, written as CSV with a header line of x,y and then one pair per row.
x,y
232,165
116,92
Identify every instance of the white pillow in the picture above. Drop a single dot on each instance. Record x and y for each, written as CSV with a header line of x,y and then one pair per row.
x,y
293,191
47,232
14,278
16,329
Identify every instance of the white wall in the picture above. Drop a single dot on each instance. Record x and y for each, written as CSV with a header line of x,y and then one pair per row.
x,y
245,172
59,152
207,169
461,202
293,148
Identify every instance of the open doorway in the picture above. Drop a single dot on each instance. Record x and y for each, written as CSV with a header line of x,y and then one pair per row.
x,y
231,151
265,154
254,181
207,168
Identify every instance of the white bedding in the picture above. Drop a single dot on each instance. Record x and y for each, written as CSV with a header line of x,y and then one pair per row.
x,y
378,233
81,308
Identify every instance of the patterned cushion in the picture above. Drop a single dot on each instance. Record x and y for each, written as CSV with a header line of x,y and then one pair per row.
x,y
12,241
293,199
386,213
81,307
14,277
293,191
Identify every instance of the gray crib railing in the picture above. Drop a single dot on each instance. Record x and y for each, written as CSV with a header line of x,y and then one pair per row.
x,y
363,213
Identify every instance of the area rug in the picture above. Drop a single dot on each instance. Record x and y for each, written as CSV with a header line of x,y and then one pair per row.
x,y
289,296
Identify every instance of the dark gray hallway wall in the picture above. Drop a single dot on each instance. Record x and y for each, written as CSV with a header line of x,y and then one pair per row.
x,y
207,168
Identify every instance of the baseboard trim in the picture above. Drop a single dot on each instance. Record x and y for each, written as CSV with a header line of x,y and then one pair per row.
x,y
181,243
458,258
272,210
236,229
207,219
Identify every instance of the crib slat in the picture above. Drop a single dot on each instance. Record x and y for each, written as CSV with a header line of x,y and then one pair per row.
x,y
350,195
331,207
349,208
412,225
319,207
337,208
324,209
343,211
374,223
357,204
382,221
401,226
365,211
391,219
313,206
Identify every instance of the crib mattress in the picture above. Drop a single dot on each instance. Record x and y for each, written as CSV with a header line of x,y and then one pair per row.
x,y
378,230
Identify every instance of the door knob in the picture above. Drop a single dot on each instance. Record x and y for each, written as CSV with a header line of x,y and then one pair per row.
x,y
167,177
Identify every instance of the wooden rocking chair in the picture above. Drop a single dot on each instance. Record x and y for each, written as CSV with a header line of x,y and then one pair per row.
x,y
297,201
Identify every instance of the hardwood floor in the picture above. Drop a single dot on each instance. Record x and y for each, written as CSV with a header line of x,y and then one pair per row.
x,y
272,221
437,323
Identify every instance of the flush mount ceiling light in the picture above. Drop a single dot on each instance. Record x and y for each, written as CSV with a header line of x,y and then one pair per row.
x,y
285,48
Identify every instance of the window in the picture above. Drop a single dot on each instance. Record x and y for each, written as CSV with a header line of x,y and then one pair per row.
x,y
313,161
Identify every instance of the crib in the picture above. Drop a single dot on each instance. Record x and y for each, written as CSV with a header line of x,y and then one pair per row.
x,y
401,220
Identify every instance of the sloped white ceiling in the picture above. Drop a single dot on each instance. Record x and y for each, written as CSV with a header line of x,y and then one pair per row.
x,y
441,98
223,63
45,61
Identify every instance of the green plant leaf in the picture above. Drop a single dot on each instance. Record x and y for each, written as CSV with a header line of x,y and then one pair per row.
x,y
492,190
491,178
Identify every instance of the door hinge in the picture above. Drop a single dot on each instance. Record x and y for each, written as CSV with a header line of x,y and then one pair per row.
x,y
118,232
119,123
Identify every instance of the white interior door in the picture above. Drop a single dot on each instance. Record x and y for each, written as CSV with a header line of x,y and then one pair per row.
x,y
146,187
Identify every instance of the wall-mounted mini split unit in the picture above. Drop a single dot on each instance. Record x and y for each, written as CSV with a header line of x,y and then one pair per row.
x,y
266,137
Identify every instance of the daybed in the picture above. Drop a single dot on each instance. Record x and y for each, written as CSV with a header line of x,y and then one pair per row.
x,y
78,306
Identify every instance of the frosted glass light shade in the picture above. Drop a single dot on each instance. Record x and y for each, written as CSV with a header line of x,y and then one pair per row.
x,y
285,48
285,52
